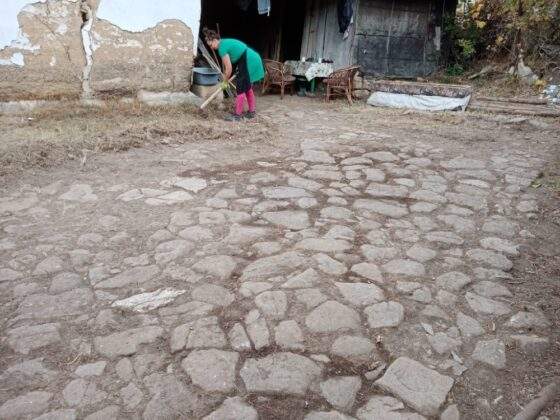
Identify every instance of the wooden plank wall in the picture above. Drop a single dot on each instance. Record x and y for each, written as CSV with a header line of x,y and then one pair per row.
x,y
321,35
398,37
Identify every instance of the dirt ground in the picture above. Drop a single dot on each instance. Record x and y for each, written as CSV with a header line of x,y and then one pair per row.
x,y
126,148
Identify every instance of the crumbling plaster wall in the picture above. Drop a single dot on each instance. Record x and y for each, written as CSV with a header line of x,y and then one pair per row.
x,y
71,48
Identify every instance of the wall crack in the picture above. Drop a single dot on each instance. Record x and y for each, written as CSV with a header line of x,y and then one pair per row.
x,y
87,42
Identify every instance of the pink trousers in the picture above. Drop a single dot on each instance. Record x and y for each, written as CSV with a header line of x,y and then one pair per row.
x,y
240,102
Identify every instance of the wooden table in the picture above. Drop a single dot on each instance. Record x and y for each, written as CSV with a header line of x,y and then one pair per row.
x,y
310,70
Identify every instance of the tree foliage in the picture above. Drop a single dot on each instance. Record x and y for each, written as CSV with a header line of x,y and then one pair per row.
x,y
504,28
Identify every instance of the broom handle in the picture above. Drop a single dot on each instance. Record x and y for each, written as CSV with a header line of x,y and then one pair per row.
x,y
214,95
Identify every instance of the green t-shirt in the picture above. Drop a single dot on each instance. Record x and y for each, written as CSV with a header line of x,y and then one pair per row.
x,y
235,49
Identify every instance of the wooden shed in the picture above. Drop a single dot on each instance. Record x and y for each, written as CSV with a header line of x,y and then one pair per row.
x,y
400,38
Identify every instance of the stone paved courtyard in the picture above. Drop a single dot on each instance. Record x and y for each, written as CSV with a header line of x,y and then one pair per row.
x,y
356,274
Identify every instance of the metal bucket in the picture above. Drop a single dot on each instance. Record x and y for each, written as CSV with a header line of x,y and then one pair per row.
x,y
206,76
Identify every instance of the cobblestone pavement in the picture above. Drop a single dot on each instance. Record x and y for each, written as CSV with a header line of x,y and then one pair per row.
x,y
357,278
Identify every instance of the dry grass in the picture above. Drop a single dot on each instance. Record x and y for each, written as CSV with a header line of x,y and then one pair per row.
x,y
51,136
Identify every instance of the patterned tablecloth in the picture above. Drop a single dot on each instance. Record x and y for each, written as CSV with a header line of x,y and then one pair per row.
x,y
310,70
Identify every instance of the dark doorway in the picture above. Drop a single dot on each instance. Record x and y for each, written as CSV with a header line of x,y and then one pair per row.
x,y
276,36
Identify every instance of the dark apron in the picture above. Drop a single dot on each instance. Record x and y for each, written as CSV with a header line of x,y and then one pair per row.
x,y
243,82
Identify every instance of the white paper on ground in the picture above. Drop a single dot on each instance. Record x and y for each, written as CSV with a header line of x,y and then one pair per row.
x,y
421,102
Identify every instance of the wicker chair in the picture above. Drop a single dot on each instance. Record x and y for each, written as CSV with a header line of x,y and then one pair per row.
x,y
341,82
277,74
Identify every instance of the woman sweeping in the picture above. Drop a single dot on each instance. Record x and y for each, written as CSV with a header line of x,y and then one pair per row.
x,y
249,70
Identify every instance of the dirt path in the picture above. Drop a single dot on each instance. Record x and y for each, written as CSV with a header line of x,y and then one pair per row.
x,y
367,264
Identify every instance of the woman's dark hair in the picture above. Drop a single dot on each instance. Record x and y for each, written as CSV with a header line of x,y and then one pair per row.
x,y
210,35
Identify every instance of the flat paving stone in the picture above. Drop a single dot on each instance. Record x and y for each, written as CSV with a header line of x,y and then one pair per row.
x,y
281,373
67,414
45,306
341,391
238,338
213,294
324,245
382,156
487,306
273,304
336,212
490,258
361,294
288,335
327,415
212,370
428,196
127,342
443,343
170,397
525,319
311,297
257,329
284,192
453,281
381,207
500,245
306,279
445,238
404,267
373,174
295,220
218,266
332,316
491,352
369,271
469,326
264,268
205,332
234,408
421,254
421,388
353,347
386,191
374,253
31,403
385,314
191,184
28,338
136,275
531,344
501,227
383,407
491,289
329,265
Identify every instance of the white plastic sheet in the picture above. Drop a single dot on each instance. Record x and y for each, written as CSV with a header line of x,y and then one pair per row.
x,y
421,102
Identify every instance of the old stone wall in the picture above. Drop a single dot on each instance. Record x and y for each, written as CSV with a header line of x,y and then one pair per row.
x,y
70,48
